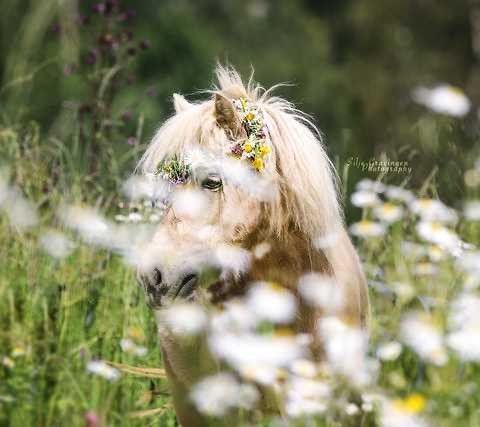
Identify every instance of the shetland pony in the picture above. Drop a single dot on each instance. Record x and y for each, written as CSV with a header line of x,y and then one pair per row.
x,y
289,207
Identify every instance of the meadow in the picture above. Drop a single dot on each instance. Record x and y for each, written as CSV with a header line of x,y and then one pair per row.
x,y
66,303
78,344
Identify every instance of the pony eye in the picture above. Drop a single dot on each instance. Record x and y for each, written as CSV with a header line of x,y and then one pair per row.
x,y
212,183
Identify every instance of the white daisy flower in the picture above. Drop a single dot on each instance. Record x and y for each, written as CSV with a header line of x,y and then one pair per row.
x,y
262,249
420,333
56,244
319,290
405,291
189,204
366,228
398,193
388,212
366,184
183,319
87,222
443,99
433,210
389,351
471,210
352,409
345,349
271,302
128,346
134,217
216,395
436,233
466,343
399,414
247,349
102,369
436,253
470,263
235,317
364,199
304,368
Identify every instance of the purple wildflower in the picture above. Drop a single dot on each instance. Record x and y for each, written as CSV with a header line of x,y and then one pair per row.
x,y
99,8
91,57
92,419
237,150
144,44
69,69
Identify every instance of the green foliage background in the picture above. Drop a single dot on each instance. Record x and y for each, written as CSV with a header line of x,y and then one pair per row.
x,y
69,132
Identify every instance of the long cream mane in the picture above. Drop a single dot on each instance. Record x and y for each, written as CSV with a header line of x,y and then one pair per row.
x,y
301,219
306,178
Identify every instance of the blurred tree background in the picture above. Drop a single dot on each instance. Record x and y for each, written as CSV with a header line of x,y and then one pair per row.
x,y
98,77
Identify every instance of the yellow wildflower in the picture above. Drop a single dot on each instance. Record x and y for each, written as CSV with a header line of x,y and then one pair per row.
x,y
264,150
135,333
243,101
250,116
413,404
258,163
247,147
18,352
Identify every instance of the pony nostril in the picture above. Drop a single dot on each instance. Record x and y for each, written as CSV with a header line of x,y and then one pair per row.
x,y
187,278
157,277
187,285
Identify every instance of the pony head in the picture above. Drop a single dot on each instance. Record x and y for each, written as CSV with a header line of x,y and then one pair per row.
x,y
251,192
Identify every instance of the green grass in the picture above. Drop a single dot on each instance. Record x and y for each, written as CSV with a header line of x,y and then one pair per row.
x,y
63,313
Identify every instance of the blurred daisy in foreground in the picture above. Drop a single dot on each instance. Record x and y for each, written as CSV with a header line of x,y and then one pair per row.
x,y
464,322
403,412
388,351
366,228
398,193
436,253
443,99
183,319
234,317
471,210
271,302
128,346
436,233
366,184
247,349
470,263
433,210
388,212
216,395
102,369
304,368
419,332
345,349
319,290
56,244
364,199
306,397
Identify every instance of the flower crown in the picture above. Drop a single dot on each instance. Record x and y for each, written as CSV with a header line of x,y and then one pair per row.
x,y
254,147
175,171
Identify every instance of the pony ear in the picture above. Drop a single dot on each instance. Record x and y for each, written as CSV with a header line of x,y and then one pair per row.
x,y
180,103
226,114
